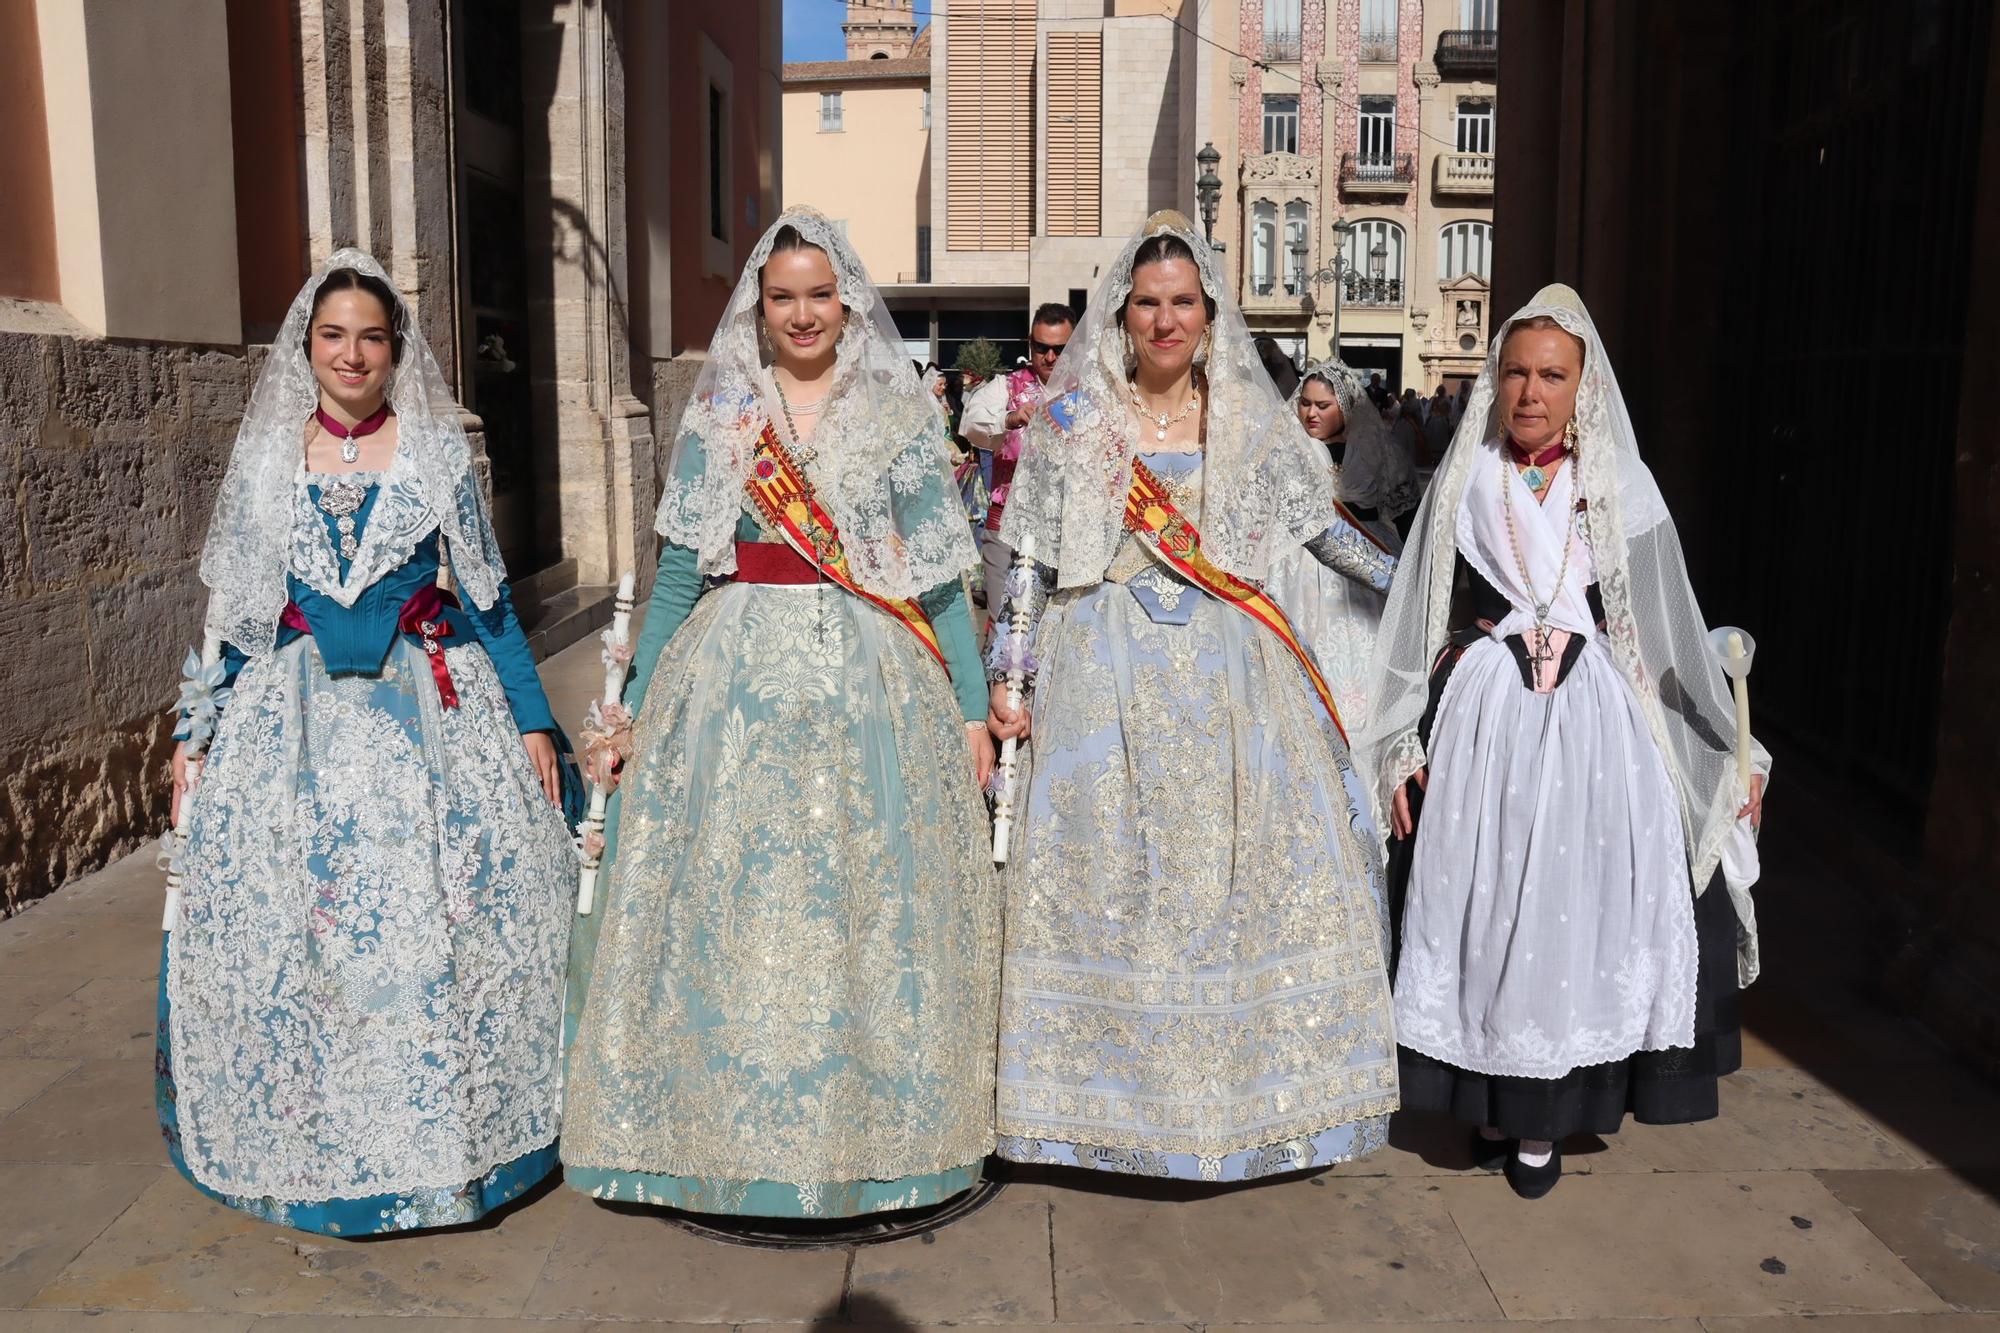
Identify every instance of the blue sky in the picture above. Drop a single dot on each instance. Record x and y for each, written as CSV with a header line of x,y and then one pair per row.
x,y
812,28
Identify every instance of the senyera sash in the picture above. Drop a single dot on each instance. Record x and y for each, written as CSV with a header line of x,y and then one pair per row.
x,y
1166,532
785,498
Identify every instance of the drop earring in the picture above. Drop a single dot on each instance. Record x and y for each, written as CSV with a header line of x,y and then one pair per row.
x,y
1570,435
1131,352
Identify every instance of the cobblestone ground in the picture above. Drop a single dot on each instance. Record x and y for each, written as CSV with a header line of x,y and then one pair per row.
x,y
1854,1177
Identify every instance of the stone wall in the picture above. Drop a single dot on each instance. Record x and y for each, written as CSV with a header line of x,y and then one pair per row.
x,y
110,455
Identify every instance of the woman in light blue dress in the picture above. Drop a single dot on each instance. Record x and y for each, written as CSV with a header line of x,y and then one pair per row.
x,y
784,1006
361,994
1193,983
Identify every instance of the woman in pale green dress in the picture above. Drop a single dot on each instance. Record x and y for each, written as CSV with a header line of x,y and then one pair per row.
x,y
785,1006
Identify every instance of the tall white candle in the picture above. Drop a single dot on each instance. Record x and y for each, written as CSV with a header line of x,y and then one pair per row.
x,y
1742,684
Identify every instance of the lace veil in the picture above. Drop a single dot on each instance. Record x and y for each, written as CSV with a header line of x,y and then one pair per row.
x,y
1655,629
1375,473
880,462
1267,486
256,534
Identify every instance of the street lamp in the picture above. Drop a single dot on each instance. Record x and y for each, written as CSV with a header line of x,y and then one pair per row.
x,y
1208,191
1331,271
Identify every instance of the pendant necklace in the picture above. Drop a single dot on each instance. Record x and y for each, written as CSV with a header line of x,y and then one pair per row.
x,y
1161,420
1536,472
350,436
1542,654
805,451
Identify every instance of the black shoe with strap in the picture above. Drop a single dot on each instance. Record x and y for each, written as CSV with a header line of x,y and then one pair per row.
x,y
1532,1182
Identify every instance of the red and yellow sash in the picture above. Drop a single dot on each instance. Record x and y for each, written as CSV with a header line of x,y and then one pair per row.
x,y
784,497
1150,514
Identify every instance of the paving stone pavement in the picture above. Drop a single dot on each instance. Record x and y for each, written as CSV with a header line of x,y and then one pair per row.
x,y
1853,1181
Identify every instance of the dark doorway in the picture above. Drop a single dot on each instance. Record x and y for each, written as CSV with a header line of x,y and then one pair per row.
x,y
490,226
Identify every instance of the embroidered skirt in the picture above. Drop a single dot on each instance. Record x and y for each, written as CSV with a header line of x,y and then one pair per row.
x,y
784,1004
1193,984
360,1007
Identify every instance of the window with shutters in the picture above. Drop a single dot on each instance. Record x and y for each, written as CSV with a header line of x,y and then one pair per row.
x,y
1377,146
1480,15
1263,247
989,70
1475,125
1075,133
1281,123
829,113
1281,29
1465,248
1297,247
1378,30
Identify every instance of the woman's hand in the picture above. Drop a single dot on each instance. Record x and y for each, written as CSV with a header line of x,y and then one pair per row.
x,y
1401,823
179,767
1004,721
542,753
1754,807
982,752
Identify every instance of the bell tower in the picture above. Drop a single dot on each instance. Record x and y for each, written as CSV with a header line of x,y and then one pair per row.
x,y
879,29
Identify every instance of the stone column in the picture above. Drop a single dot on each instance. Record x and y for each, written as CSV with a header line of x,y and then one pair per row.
x,y
603,477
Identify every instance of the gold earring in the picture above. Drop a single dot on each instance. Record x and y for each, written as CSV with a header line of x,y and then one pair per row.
x,y
1570,435
1207,342
764,338
1131,352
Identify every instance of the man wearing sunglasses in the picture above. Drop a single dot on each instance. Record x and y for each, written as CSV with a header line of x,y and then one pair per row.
x,y
995,421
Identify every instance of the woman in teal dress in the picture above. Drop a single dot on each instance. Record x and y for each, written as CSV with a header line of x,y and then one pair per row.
x,y
361,994
785,1005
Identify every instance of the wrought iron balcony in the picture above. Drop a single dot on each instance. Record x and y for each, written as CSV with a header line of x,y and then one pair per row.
x,y
1463,173
1469,51
1379,46
1377,173
1281,46
1358,290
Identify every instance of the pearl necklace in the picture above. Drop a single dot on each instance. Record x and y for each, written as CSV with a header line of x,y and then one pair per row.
x,y
1161,420
805,451
1540,653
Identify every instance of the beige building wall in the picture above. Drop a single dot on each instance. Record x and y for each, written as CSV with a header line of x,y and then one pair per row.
x,y
873,173
1443,187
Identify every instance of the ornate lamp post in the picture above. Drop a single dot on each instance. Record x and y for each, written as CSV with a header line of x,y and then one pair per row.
x,y
1208,192
1333,271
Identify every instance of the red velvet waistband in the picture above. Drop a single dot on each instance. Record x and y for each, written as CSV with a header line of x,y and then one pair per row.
x,y
773,562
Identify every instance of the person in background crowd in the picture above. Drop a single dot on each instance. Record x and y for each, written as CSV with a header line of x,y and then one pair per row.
x,y
995,421
1284,375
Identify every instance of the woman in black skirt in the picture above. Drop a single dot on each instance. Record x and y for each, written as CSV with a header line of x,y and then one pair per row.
x,y
1573,846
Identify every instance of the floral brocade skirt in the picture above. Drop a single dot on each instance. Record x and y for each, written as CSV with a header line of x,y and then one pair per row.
x,y
1194,981
784,1004
360,1003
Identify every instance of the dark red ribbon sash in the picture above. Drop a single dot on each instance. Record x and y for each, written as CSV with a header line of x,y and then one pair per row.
x,y
422,617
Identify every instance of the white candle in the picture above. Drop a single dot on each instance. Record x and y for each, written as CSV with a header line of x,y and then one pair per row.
x,y
1742,684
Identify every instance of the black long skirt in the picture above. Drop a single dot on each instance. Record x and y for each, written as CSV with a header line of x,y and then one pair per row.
x,y
1670,1087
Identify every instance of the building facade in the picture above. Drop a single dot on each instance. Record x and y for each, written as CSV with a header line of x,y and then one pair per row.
x,y
564,191
1357,141
1061,125
858,148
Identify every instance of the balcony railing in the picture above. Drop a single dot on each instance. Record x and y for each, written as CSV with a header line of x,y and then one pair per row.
x,y
1469,51
1358,290
1379,46
1463,173
1377,173
1281,46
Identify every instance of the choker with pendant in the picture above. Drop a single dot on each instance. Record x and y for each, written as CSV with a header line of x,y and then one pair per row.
x,y
350,436
1534,468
